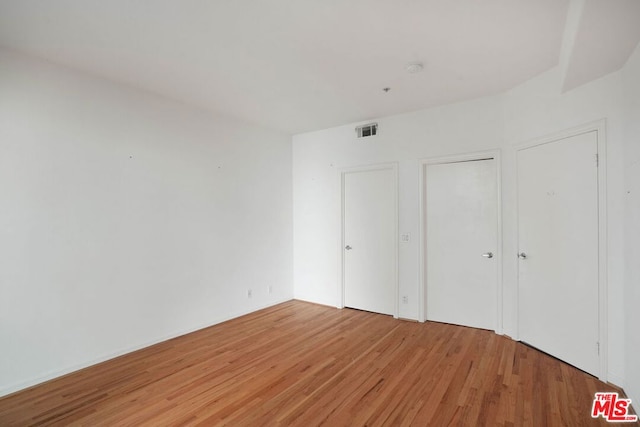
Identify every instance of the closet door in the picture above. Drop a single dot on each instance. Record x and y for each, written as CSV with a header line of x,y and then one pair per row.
x,y
461,243
558,249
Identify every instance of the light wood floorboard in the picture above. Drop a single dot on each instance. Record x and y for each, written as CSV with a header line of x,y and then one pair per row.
x,y
303,364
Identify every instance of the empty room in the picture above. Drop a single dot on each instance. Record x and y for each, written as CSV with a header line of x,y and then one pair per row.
x,y
318,212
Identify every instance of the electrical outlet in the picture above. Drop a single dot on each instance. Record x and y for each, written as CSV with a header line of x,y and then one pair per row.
x,y
270,289
249,293
405,299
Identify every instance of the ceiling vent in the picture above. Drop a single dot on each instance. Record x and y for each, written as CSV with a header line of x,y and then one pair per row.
x,y
367,130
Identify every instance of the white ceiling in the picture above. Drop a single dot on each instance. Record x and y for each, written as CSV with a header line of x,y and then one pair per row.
x,y
300,65
607,33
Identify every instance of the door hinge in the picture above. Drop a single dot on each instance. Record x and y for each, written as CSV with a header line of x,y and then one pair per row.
x,y
598,347
597,160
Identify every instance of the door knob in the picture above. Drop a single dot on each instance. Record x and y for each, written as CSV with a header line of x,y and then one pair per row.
x,y
488,255
348,247
522,255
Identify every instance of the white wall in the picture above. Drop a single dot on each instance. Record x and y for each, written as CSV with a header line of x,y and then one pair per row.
x,y
536,109
126,219
532,110
407,138
631,78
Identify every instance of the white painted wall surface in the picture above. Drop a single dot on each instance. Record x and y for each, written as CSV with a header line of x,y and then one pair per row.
x,y
631,79
536,109
406,138
126,219
532,110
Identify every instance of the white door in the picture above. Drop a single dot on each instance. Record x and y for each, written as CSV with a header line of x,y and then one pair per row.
x,y
558,249
461,242
369,238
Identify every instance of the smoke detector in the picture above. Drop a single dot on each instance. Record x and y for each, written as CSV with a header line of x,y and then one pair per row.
x,y
414,67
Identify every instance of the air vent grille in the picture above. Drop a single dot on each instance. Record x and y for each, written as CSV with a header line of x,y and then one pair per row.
x,y
367,130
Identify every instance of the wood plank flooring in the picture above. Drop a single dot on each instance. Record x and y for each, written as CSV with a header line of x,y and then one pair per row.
x,y
306,365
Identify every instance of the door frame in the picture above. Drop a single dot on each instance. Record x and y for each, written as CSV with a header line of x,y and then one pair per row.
x,y
598,126
465,157
393,166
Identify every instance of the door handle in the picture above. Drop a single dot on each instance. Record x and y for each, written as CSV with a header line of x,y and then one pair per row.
x,y
522,255
348,247
488,255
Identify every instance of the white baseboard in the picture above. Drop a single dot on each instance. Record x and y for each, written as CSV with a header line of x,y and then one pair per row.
x,y
635,402
615,379
324,304
70,369
619,382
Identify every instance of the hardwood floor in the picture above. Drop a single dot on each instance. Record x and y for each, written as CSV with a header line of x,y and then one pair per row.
x,y
303,364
